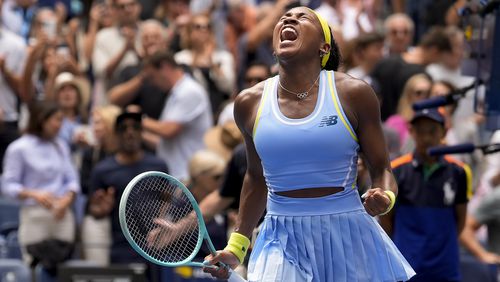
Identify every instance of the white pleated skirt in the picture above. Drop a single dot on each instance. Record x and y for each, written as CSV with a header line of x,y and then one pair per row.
x,y
327,239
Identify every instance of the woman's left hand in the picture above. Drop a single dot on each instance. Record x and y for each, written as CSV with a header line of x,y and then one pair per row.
x,y
376,201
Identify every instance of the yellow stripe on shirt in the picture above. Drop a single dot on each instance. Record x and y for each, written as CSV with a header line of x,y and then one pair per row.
x,y
337,107
261,106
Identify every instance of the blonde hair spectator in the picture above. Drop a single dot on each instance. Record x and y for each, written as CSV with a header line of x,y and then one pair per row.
x,y
418,87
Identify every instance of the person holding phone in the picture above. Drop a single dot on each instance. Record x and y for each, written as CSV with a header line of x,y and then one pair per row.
x,y
303,130
115,47
12,59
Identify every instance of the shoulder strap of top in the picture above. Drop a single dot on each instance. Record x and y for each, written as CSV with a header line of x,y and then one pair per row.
x,y
336,102
267,86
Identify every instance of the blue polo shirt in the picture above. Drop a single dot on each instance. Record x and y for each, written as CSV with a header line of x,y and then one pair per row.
x,y
425,222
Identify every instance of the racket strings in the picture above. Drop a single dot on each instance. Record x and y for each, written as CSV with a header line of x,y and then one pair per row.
x,y
153,199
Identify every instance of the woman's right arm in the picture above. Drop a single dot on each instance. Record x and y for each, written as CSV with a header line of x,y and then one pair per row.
x,y
254,191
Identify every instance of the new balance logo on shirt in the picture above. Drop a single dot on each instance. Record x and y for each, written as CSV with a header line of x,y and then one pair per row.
x,y
328,121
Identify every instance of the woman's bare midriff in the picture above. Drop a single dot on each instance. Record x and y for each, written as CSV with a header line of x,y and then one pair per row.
x,y
311,192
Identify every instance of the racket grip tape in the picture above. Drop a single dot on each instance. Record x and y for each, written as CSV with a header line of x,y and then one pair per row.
x,y
238,245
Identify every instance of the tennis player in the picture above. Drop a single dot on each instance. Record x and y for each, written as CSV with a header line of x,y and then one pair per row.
x,y
303,130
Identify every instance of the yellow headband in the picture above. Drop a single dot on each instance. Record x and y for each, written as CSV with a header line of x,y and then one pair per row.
x,y
328,39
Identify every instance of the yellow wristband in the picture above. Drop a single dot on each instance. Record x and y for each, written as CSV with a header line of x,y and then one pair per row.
x,y
393,201
238,245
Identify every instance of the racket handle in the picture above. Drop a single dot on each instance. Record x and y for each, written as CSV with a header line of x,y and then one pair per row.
x,y
235,277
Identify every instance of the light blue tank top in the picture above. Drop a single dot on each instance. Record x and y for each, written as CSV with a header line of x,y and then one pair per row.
x,y
320,150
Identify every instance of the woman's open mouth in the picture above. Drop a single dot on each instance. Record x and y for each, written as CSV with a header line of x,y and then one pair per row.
x,y
288,34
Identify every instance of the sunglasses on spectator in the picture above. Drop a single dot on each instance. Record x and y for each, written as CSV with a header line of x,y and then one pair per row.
x,y
125,5
124,126
200,26
422,92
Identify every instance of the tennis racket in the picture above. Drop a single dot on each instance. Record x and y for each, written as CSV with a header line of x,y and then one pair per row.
x,y
156,217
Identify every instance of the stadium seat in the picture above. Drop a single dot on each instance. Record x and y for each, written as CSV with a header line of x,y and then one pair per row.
x,y
3,247
14,269
10,212
13,247
41,275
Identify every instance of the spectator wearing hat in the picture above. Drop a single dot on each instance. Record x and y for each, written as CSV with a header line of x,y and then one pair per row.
x,y
72,95
206,169
222,139
45,61
96,233
431,204
110,177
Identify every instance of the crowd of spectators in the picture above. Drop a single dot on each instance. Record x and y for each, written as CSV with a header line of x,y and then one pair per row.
x,y
95,92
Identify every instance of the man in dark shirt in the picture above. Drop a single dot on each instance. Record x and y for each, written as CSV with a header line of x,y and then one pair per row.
x,y
110,177
431,204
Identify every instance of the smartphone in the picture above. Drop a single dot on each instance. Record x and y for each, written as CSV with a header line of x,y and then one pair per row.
x,y
63,51
50,28
87,133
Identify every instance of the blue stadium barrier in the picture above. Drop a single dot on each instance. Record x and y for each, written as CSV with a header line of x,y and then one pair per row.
x,y
473,270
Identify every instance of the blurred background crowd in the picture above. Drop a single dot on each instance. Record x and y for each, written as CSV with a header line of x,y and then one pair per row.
x,y
93,92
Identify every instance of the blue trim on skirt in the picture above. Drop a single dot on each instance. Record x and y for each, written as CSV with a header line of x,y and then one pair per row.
x,y
327,239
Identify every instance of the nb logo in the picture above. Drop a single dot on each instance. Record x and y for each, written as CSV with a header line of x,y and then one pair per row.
x,y
328,121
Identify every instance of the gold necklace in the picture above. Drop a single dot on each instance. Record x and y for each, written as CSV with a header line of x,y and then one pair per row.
x,y
300,95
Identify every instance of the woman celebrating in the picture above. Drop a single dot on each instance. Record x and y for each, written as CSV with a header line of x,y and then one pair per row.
x,y
303,129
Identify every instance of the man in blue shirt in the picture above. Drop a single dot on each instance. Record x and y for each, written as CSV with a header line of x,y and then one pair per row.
x,y
431,204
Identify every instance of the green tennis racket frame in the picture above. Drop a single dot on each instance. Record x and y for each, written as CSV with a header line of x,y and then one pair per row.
x,y
202,234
